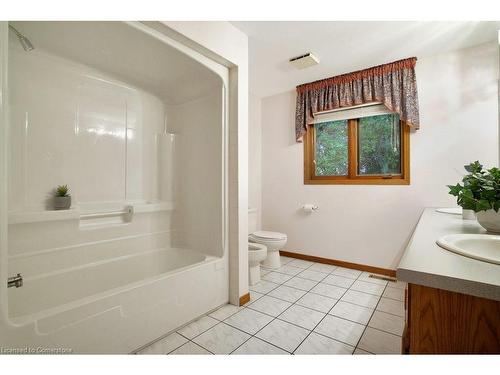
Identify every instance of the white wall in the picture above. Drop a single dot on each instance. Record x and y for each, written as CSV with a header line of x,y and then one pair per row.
x,y
372,224
254,164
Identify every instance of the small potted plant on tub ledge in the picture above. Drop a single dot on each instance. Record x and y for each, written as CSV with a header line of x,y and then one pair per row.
x,y
62,199
480,192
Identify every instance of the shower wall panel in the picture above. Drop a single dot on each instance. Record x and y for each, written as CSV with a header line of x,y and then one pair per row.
x,y
73,125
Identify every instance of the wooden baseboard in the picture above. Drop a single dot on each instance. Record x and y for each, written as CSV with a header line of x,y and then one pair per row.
x,y
340,263
244,299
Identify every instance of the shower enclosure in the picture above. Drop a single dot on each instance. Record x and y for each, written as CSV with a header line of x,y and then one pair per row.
x,y
134,123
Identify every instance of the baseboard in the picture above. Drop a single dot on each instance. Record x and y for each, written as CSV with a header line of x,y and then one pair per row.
x,y
340,263
244,299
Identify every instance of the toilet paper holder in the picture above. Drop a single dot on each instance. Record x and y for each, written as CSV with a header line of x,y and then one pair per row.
x,y
310,207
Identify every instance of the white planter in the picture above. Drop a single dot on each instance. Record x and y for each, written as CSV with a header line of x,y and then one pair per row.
x,y
62,203
468,214
489,220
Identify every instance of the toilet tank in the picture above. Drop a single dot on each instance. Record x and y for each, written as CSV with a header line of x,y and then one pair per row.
x,y
253,220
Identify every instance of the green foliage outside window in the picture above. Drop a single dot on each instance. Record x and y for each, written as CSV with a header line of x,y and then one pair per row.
x,y
331,148
379,146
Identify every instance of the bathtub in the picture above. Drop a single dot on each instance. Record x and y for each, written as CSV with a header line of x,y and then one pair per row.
x,y
117,305
144,248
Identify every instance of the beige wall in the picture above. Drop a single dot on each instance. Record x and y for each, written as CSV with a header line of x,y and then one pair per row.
x,y
372,224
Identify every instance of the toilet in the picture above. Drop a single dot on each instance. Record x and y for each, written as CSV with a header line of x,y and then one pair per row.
x,y
274,241
256,254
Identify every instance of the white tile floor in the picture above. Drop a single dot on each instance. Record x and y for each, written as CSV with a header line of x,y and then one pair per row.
x,y
300,308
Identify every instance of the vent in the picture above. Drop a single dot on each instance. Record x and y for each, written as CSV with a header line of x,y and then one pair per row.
x,y
386,278
304,61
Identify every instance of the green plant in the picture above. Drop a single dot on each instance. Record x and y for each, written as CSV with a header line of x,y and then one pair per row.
x,y
480,190
62,191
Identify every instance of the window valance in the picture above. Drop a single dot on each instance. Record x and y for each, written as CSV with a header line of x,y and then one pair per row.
x,y
394,85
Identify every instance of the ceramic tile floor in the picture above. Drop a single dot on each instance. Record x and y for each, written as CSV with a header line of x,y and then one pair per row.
x,y
300,308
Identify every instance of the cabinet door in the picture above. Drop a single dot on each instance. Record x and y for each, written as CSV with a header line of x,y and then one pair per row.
x,y
444,322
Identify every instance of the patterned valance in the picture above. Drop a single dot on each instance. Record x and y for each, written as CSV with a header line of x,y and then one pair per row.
x,y
393,85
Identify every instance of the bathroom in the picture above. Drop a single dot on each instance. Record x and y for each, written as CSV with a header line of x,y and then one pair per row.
x,y
172,188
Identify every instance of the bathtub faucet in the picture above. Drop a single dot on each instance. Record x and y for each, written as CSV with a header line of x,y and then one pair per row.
x,y
16,281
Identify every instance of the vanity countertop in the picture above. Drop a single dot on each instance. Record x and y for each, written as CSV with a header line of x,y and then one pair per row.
x,y
425,263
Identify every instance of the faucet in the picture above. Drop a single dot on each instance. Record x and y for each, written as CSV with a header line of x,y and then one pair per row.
x,y
16,281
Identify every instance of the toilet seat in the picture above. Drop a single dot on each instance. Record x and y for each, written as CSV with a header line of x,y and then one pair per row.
x,y
267,236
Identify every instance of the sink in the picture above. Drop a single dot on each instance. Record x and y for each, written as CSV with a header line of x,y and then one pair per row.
x,y
484,247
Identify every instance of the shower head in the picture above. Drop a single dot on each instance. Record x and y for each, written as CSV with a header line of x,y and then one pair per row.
x,y
25,42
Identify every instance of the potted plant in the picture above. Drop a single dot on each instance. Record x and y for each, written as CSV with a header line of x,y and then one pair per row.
x,y
62,200
480,192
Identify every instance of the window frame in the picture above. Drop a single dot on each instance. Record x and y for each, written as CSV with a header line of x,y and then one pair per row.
x,y
352,177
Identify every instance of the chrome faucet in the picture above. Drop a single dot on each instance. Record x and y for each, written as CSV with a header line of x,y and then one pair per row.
x,y
16,281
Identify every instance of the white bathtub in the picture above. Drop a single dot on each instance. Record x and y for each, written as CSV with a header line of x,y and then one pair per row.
x,y
118,305
113,273
81,285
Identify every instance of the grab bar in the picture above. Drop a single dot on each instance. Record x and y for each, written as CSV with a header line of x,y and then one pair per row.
x,y
128,211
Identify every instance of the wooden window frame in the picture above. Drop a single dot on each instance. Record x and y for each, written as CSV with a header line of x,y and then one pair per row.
x,y
352,177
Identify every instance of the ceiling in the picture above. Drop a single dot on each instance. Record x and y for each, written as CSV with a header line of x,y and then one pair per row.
x,y
124,53
344,47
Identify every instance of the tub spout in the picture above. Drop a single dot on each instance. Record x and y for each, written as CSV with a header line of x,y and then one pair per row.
x,y
16,281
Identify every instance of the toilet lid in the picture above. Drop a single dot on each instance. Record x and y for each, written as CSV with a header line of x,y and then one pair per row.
x,y
266,235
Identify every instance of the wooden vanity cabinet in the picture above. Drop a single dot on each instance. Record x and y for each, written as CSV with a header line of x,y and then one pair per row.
x,y
444,322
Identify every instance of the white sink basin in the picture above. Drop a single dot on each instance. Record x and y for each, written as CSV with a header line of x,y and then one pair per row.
x,y
484,247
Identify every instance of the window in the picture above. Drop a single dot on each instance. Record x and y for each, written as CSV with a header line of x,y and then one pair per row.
x,y
370,148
